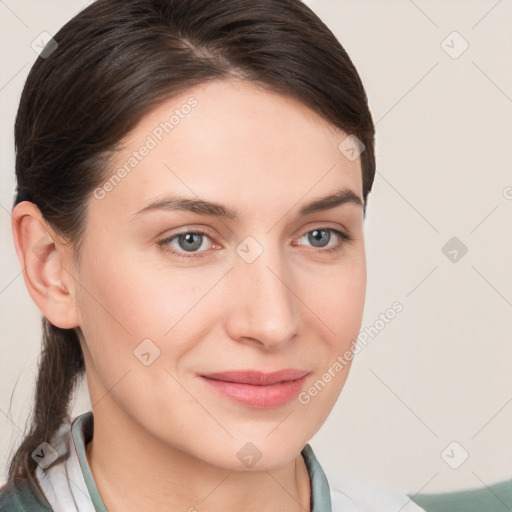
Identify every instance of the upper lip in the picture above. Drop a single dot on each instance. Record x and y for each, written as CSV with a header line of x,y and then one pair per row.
x,y
256,377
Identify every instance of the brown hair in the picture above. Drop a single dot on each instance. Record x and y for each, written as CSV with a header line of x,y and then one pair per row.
x,y
117,60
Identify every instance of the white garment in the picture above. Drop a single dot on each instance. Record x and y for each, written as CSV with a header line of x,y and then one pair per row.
x,y
357,497
63,482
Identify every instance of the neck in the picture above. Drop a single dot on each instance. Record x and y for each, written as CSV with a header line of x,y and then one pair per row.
x,y
161,478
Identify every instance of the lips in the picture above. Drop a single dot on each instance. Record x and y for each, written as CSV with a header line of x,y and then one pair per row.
x,y
257,378
257,389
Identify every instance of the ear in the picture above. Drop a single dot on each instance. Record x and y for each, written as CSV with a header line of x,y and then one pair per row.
x,y
47,265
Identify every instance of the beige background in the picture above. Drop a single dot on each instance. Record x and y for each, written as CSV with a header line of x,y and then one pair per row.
x,y
440,371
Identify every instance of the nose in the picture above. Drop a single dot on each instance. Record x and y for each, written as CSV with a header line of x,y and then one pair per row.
x,y
263,308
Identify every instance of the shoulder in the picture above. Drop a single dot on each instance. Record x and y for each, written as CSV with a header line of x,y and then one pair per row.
x,y
22,496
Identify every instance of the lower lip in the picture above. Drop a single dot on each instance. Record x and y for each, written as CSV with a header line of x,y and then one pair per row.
x,y
262,397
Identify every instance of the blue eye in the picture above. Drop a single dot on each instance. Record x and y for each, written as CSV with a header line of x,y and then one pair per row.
x,y
317,237
189,242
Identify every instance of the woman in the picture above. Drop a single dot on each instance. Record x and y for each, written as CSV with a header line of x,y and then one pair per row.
x,y
192,184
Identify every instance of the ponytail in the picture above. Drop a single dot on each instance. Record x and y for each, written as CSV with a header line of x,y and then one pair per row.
x,y
61,365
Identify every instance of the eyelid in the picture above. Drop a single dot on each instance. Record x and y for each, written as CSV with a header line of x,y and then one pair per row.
x,y
318,225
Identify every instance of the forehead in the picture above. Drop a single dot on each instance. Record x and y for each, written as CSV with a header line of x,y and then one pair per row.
x,y
230,141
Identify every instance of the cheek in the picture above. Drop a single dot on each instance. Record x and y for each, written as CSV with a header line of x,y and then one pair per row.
x,y
137,298
126,301
335,304
126,309
335,296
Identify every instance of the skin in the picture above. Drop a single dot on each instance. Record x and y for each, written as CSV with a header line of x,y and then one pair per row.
x,y
163,439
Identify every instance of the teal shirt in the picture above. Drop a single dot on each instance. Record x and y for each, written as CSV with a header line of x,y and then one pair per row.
x,y
27,496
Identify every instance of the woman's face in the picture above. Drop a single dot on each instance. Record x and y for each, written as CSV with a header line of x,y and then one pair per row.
x,y
267,289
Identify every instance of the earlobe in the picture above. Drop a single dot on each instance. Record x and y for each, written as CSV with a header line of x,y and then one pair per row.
x,y
45,263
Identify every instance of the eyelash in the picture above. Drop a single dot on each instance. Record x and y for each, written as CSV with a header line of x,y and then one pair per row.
x,y
163,244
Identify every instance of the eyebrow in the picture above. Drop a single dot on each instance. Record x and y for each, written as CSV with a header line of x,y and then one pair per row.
x,y
203,207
